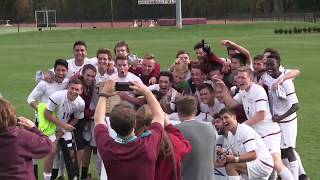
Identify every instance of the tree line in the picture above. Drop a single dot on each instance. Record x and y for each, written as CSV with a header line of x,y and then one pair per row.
x,y
100,10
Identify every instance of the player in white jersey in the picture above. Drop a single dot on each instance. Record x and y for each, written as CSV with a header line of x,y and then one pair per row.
x,y
284,104
249,156
167,93
222,146
209,104
43,90
65,103
256,106
124,75
80,58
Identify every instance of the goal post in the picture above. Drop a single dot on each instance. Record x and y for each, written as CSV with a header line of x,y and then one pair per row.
x,y
176,2
45,18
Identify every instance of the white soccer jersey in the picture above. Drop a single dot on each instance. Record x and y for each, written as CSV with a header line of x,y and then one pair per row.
x,y
280,104
173,95
247,139
74,69
130,77
60,104
43,90
212,110
256,100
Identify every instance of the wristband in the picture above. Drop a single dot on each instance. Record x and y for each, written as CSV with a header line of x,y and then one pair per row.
x,y
104,95
236,159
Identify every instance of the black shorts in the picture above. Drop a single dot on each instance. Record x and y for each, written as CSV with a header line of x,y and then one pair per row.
x,y
78,136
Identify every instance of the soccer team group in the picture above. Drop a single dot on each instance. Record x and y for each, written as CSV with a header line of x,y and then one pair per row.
x,y
219,118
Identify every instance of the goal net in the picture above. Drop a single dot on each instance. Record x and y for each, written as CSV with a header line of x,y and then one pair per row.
x,y
45,18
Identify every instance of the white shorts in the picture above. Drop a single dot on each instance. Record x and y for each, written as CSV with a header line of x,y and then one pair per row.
x,y
288,133
66,136
272,142
258,169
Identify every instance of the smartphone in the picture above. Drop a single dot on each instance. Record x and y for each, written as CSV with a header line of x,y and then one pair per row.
x,y
123,86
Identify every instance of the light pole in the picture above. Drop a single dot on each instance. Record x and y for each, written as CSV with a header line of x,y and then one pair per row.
x,y
178,14
111,8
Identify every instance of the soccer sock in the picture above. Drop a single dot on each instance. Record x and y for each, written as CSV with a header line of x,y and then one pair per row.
x,y
234,177
46,176
98,163
84,172
35,171
54,173
294,169
301,169
285,174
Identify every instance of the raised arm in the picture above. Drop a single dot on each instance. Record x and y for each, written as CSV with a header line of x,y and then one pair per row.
x,y
241,49
158,114
223,95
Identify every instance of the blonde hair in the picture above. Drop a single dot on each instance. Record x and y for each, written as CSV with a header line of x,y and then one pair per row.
x,y
7,115
143,118
181,68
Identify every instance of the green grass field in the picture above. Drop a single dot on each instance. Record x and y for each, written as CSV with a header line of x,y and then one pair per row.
x,y
21,54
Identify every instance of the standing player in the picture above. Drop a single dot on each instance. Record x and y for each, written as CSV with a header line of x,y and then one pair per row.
x,y
43,90
284,105
250,155
256,106
65,103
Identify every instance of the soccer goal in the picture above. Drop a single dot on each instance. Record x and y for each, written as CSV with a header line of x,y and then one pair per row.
x,y
45,18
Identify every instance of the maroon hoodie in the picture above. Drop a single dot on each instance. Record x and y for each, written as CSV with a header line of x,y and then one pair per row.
x,y
17,148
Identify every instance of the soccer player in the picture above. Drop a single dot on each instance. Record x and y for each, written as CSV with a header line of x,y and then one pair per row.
x,y
43,90
249,156
256,106
125,76
167,92
209,104
65,103
284,105
79,60
149,71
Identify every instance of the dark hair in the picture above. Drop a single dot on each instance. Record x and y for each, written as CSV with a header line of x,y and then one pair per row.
x,y
241,58
195,66
61,62
187,105
206,86
74,80
123,118
7,115
229,49
217,115
88,66
104,51
258,57
271,51
167,74
120,44
121,57
79,43
227,110
197,46
276,57
182,52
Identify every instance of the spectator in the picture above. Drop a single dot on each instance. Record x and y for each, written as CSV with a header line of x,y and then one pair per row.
x,y
173,147
136,155
199,163
19,145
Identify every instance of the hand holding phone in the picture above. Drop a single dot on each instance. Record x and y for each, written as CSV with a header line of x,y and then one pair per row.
x,y
123,86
